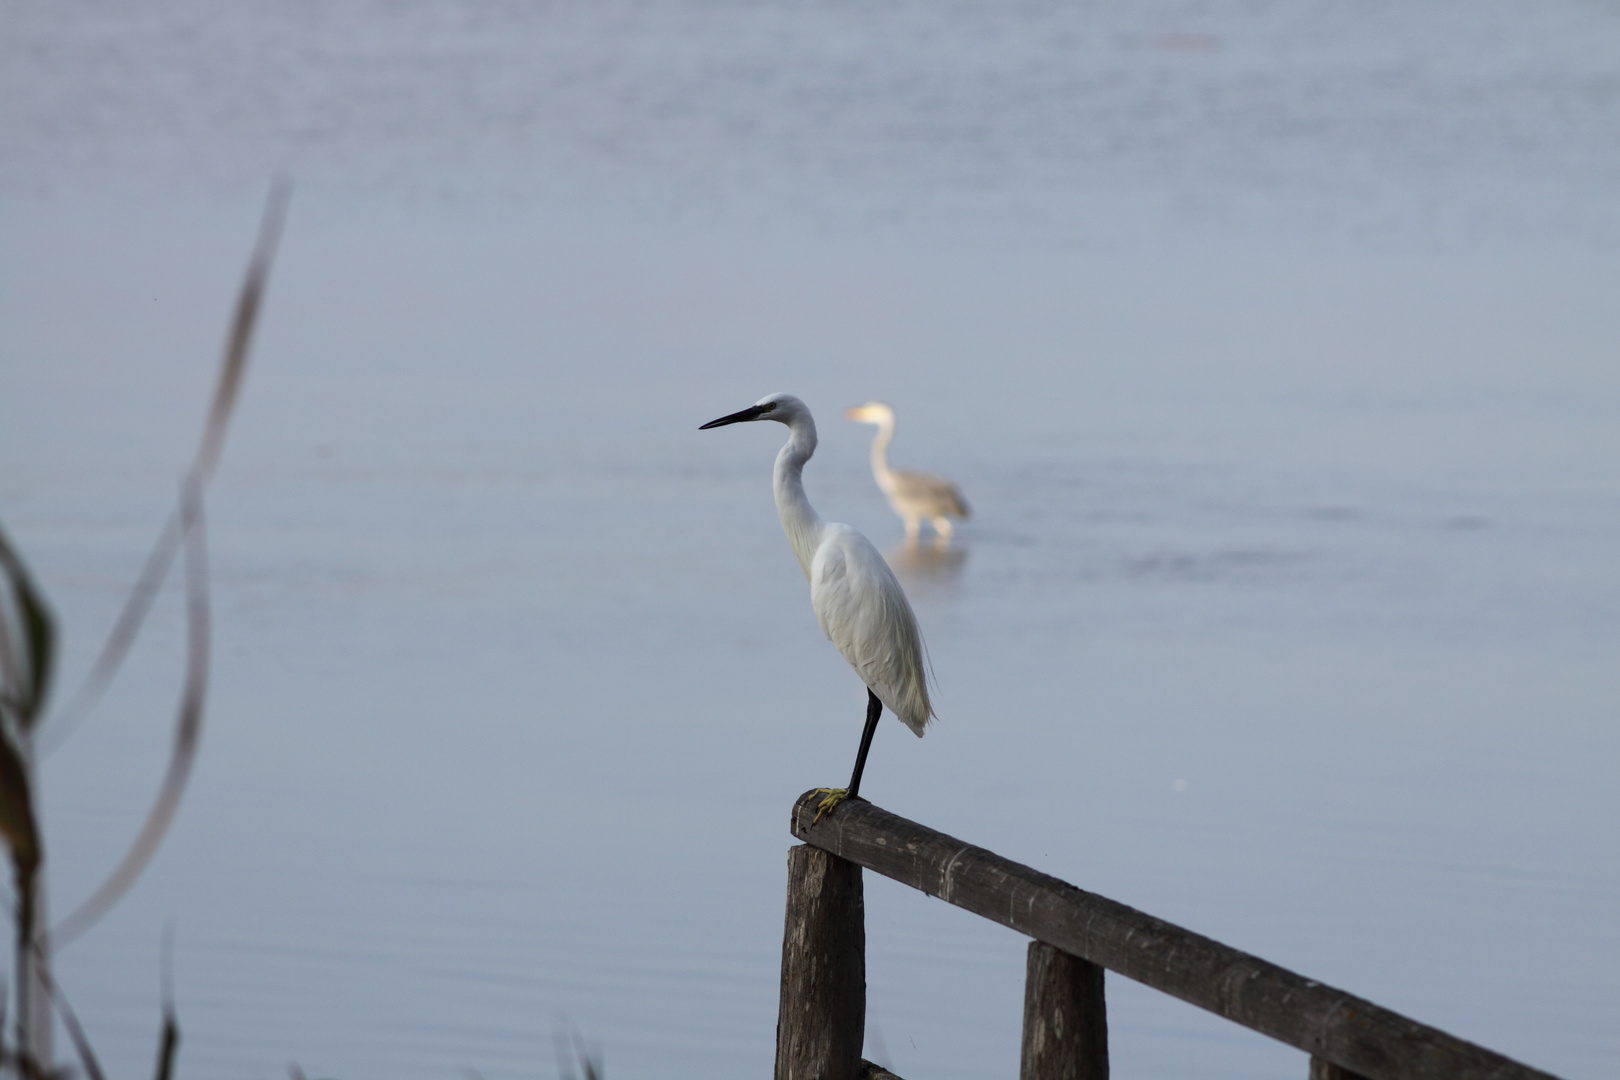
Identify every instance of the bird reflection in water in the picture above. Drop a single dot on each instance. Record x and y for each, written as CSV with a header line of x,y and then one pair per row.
x,y
928,568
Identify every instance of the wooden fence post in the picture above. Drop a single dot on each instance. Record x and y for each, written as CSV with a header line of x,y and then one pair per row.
x,y
821,1022
1065,1018
1323,1069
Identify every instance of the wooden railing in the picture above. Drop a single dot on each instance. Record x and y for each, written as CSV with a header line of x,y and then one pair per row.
x,y
822,1019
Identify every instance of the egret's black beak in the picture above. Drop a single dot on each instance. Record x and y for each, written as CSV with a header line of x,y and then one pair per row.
x,y
753,412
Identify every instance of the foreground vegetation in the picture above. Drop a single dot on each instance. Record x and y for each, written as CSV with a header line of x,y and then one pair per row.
x,y
29,648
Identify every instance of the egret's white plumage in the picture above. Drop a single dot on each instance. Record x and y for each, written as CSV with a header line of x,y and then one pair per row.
x,y
912,495
862,610
859,603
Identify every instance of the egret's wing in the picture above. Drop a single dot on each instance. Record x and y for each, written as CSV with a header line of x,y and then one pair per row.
x,y
929,495
863,610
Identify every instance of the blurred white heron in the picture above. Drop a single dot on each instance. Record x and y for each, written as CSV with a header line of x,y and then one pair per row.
x,y
858,602
913,495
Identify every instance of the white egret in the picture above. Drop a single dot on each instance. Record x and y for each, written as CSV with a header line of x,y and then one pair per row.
x,y
857,599
912,495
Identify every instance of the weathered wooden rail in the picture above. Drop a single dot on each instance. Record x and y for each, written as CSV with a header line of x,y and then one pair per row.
x,y
822,1019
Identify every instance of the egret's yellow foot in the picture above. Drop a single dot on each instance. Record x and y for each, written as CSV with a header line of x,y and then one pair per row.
x,y
835,795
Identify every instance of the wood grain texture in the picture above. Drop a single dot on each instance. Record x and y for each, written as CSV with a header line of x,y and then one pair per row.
x,y
821,1022
870,1071
1338,1027
1323,1069
1065,1018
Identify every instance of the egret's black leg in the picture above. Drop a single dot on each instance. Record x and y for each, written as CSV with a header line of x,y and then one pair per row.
x,y
874,709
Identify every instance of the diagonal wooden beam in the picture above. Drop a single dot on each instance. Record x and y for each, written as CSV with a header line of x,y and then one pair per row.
x,y
1337,1027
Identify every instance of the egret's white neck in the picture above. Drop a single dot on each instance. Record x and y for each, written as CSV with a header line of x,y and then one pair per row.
x,y
799,519
880,454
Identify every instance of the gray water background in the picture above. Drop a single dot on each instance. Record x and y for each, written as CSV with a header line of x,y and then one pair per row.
x,y
1274,345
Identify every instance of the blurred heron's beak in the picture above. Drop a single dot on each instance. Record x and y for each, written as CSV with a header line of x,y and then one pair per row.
x,y
855,412
753,412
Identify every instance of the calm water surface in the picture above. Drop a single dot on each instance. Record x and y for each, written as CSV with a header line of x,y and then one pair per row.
x,y
1274,346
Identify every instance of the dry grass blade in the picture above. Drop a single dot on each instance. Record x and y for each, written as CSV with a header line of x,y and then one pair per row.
x,y
75,1030
118,642
21,828
569,1043
17,820
169,1046
233,368
187,734
237,346
24,679
27,650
